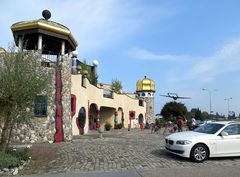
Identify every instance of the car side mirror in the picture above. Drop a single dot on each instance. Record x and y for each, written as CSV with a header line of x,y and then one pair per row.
x,y
223,133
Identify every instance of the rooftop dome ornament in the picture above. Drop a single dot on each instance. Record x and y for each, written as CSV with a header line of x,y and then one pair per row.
x,y
46,14
145,85
95,63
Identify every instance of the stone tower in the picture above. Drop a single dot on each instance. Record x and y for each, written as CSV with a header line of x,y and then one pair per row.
x,y
53,43
145,90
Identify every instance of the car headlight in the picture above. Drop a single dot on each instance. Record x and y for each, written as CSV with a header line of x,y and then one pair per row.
x,y
183,142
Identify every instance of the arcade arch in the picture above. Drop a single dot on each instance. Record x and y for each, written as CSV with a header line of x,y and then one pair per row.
x,y
81,120
93,116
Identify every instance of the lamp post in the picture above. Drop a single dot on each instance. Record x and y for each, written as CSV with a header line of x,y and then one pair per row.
x,y
210,99
228,99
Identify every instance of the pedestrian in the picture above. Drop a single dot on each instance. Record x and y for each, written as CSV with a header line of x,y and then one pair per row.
x,y
156,126
194,123
147,126
180,124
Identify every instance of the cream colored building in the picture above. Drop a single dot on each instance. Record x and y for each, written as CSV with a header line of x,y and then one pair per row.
x,y
101,102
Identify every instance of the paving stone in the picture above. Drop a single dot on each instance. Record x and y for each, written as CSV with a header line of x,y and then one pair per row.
x,y
122,150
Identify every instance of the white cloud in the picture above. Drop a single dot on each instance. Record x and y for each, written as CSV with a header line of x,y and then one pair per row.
x,y
102,24
95,24
207,69
223,61
142,54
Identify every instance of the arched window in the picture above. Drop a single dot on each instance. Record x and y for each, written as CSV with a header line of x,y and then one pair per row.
x,y
140,118
143,94
82,117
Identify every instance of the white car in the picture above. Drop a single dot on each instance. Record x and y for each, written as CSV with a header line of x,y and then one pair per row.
x,y
215,139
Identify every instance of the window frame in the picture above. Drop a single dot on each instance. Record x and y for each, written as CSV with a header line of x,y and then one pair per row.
x,y
233,125
41,105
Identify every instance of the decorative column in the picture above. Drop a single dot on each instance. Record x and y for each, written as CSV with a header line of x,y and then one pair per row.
x,y
115,119
20,43
40,42
58,137
98,119
63,48
69,53
66,97
123,119
95,66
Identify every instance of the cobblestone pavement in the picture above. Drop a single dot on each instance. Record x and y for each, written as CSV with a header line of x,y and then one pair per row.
x,y
121,150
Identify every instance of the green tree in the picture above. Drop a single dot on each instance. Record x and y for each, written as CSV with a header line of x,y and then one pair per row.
x,y
198,114
205,115
87,69
116,85
22,77
173,110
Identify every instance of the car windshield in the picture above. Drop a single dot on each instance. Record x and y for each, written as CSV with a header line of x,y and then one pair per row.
x,y
209,128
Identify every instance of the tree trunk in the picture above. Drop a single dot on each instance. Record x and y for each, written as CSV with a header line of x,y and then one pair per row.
x,y
10,134
5,136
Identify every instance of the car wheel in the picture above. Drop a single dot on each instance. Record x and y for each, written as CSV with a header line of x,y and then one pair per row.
x,y
199,153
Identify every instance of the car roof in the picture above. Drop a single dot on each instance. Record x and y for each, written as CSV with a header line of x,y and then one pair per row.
x,y
225,122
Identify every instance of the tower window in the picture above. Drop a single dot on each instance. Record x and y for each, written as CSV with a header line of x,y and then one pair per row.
x,y
143,94
40,106
140,102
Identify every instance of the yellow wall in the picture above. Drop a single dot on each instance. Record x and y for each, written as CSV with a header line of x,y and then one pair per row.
x,y
92,94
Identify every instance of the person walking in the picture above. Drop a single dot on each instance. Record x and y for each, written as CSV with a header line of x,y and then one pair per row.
x,y
180,124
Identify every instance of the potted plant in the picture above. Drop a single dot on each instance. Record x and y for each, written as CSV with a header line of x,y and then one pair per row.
x,y
100,131
108,126
119,126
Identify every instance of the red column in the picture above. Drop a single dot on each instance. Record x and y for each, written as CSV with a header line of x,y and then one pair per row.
x,y
58,137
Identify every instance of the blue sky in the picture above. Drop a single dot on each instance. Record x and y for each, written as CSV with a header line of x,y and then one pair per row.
x,y
183,45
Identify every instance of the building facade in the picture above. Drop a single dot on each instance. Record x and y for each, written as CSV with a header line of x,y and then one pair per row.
x,y
75,103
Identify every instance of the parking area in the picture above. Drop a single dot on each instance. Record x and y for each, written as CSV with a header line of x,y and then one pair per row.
x,y
118,150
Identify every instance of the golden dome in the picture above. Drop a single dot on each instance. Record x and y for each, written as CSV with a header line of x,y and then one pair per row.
x,y
145,85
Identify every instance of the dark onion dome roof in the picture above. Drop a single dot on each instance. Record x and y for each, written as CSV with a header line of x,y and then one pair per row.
x,y
43,24
2,50
145,84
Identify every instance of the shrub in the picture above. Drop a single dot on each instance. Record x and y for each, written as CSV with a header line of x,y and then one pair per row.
x,y
20,154
108,126
9,161
13,158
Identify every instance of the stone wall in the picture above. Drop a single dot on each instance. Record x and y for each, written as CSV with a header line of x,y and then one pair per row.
x,y
66,98
150,109
42,129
